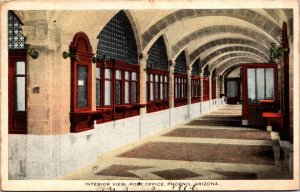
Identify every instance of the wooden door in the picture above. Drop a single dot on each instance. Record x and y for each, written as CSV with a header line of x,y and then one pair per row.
x,y
17,94
260,84
232,90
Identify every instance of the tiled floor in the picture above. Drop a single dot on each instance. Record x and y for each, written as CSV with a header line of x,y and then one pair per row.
x,y
213,146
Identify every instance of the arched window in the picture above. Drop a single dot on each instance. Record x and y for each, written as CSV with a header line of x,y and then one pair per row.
x,y
180,80
205,84
195,82
17,76
157,77
117,71
117,41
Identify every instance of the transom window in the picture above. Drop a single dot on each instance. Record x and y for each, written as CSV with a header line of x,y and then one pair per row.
x,y
180,80
195,82
16,39
117,40
157,77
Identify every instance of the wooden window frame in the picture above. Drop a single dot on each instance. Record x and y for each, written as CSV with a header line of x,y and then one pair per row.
x,y
246,104
195,89
123,110
159,103
205,88
17,120
180,83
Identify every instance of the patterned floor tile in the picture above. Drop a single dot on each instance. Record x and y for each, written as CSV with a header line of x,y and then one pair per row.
x,y
173,174
120,170
221,153
228,134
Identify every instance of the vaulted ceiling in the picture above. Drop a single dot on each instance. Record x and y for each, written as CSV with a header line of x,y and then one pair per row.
x,y
221,38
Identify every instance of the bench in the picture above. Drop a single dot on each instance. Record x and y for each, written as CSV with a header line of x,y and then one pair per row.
x,y
273,117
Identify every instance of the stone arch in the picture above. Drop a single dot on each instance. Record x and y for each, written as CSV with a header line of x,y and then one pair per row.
x,y
255,18
224,58
225,41
207,60
236,61
256,36
230,69
167,44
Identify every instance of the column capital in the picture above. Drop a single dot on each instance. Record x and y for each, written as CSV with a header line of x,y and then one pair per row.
x,y
143,56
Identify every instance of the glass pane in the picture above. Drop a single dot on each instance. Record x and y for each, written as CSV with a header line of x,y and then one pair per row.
x,y
133,92
270,83
20,94
251,85
176,90
260,80
118,75
161,78
151,91
147,90
107,74
151,77
156,78
166,91
82,86
161,90
126,75
166,79
20,68
118,92
98,95
182,90
98,72
232,89
133,76
156,90
126,92
107,98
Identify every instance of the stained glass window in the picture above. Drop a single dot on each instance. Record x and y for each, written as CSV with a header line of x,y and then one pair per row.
x,y
117,40
16,40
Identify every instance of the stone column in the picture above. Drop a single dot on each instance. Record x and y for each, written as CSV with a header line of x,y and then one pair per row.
x,y
210,85
189,85
217,87
45,75
171,83
201,86
143,77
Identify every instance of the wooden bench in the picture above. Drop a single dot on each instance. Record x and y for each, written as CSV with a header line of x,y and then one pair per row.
x,y
274,117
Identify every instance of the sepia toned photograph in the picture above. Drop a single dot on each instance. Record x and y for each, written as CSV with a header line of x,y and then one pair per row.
x,y
149,95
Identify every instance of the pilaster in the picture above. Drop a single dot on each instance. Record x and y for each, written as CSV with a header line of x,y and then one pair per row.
x,y
143,77
171,83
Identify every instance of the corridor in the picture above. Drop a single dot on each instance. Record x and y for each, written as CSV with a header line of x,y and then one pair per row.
x,y
212,146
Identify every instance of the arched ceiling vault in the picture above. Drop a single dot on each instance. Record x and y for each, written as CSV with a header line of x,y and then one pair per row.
x,y
235,61
252,17
219,37
214,45
214,55
223,59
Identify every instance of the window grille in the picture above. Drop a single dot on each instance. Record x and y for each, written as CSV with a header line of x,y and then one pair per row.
x,y
196,68
117,41
205,71
16,39
158,58
180,64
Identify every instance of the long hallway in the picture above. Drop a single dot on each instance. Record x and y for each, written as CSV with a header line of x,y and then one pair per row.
x,y
212,146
